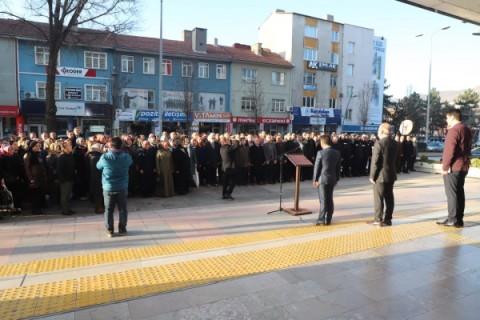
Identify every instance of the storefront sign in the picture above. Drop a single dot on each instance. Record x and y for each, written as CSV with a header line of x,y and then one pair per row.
x,y
75,72
218,117
8,111
174,116
324,66
125,114
243,120
73,94
274,120
97,128
76,109
146,115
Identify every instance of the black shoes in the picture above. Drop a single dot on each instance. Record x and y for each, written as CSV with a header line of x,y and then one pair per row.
x,y
228,197
122,232
109,233
387,222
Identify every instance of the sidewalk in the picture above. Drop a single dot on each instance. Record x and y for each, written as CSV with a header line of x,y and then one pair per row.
x,y
200,257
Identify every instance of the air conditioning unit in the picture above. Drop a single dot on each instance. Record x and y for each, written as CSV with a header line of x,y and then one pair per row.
x,y
289,108
30,95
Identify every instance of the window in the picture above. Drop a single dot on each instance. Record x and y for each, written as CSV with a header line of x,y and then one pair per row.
x,y
127,64
350,69
221,71
248,104
249,75
310,31
332,103
310,54
278,105
333,81
42,55
148,65
348,114
349,91
278,78
95,60
334,58
42,90
335,36
96,93
309,78
203,70
308,101
351,47
187,69
151,99
167,67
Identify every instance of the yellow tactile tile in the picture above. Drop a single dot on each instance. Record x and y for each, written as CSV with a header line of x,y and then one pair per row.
x,y
48,298
64,263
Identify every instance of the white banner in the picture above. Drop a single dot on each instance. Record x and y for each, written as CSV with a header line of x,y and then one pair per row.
x,y
133,98
378,74
125,114
76,109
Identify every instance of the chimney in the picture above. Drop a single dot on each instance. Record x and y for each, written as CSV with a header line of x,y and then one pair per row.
x,y
215,42
330,17
187,36
199,40
257,48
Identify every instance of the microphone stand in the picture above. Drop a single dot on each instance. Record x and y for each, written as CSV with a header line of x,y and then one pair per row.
x,y
280,157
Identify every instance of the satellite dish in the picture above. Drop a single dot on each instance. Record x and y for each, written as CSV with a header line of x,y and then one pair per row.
x,y
406,127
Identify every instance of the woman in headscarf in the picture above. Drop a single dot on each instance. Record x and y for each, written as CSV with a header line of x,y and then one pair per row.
x,y
164,165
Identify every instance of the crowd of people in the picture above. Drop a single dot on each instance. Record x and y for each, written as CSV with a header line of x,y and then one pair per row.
x,y
48,171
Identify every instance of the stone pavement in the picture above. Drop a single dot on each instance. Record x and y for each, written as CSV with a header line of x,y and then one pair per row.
x,y
413,275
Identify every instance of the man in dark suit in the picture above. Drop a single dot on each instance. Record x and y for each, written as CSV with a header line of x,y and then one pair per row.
x,y
227,153
455,165
326,174
383,174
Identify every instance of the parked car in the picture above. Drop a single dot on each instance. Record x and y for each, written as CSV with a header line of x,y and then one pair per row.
x,y
435,146
476,153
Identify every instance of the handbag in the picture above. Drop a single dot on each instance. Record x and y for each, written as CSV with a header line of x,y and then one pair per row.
x,y
6,198
196,179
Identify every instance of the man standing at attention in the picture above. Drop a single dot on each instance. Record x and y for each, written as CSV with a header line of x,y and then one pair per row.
x,y
383,174
326,174
227,153
114,166
455,165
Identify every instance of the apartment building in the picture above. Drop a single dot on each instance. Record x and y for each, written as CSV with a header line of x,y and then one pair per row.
x,y
332,79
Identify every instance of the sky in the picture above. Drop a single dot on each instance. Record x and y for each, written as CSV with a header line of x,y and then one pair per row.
x,y
455,52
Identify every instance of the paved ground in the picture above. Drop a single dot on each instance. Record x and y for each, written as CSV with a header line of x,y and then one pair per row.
x,y
232,260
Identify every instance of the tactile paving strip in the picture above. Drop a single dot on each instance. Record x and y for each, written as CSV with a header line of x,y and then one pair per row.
x,y
55,297
88,260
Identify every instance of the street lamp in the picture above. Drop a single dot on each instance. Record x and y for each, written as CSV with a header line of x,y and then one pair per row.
x,y
346,109
160,80
427,121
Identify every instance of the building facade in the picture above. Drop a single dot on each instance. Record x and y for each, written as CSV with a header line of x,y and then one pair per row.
x,y
333,67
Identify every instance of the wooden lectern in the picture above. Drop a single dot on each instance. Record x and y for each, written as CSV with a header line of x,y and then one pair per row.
x,y
298,160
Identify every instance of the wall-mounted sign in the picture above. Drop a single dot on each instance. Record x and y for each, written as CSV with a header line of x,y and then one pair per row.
x,y
97,128
133,98
75,72
73,94
324,66
125,114
70,108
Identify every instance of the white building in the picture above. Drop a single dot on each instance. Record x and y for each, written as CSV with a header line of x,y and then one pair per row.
x,y
334,68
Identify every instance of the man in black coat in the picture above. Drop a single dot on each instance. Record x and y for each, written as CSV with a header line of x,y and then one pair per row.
x,y
257,160
326,173
383,174
227,153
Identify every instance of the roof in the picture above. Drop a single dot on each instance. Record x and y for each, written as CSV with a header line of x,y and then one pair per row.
x,y
465,10
105,39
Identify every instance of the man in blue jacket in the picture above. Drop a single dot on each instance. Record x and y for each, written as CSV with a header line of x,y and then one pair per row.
x,y
114,166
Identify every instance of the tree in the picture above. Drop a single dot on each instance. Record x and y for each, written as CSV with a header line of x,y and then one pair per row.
x,y
437,111
188,97
253,102
364,104
468,101
63,17
410,108
388,104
